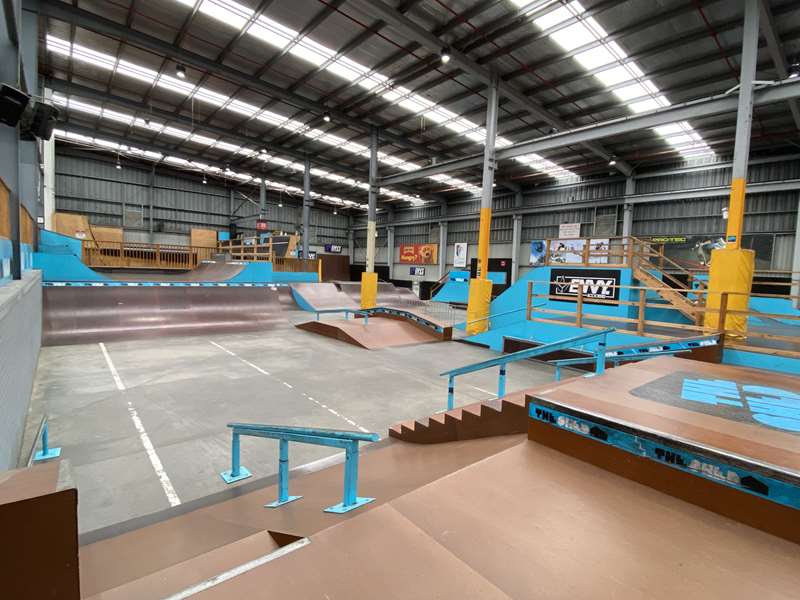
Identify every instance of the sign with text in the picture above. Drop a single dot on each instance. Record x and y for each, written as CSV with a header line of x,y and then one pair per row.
x,y
417,271
333,248
597,284
419,254
261,225
569,230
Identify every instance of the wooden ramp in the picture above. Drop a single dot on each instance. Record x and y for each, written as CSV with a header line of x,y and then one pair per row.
x,y
378,333
724,437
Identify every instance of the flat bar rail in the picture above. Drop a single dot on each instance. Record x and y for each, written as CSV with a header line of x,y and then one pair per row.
x,y
347,311
335,438
502,361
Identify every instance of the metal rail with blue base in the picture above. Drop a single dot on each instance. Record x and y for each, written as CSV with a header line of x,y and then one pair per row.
x,y
46,453
619,354
346,311
335,438
502,361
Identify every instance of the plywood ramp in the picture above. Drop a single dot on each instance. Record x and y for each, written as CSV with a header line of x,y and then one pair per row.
x,y
530,522
378,333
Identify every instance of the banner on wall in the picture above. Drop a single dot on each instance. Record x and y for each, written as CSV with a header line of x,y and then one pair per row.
x,y
538,248
567,251
598,284
598,251
460,255
569,230
419,254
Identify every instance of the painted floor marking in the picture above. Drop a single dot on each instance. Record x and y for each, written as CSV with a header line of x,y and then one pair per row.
x,y
290,386
158,467
238,570
484,391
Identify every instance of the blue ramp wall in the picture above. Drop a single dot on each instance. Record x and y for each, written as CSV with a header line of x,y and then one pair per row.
x,y
64,267
455,289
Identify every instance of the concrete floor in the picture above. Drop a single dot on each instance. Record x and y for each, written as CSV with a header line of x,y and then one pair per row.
x,y
178,394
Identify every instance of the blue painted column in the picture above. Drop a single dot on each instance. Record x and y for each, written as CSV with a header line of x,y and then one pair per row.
x,y
237,472
501,382
46,452
350,500
283,476
451,387
600,356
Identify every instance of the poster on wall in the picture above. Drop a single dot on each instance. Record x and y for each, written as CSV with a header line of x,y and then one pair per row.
x,y
569,230
567,251
419,254
538,248
597,284
460,255
598,251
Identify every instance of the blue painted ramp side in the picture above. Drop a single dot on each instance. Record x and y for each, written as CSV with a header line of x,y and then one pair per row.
x,y
758,360
253,272
779,306
64,267
455,289
51,242
300,301
290,277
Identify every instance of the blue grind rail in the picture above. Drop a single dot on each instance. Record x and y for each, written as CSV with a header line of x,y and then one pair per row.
x,y
639,352
702,462
46,453
502,361
158,284
346,311
347,440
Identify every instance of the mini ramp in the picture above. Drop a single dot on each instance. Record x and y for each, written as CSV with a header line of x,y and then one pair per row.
x,y
82,315
205,271
321,296
378,333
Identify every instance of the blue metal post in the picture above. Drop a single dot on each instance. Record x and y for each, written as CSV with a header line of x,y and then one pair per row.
x,y
346,315
317,315
600,357
350,499
451,388
46,452
283,476
558,373
237,472
366,318
501,382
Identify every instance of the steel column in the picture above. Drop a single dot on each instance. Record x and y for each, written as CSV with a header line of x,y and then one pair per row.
x,y
796,261
744,118
150,194
262,199
390,250
307,204
373,199
49,174
516,241
442,248
488,180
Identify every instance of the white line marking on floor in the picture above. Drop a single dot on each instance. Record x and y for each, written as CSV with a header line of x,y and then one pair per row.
x,y
484,391
240,570
288,385
112,368
149,449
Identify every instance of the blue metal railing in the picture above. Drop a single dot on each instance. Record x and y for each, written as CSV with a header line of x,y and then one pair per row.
x,y
346,311
348,440
46,453
502,361
644,351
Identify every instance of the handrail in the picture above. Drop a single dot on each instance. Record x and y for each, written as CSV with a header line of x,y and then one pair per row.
x,y
346,311
46,453
502,361
336,438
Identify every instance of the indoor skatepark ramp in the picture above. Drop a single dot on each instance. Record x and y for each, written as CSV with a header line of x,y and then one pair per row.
x,y
321,296
81,315
378,333
206,271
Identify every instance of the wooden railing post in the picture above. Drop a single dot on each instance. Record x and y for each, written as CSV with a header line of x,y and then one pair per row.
x,y
641,314
723,313
629,252
547,252
579,307
530,301
586,251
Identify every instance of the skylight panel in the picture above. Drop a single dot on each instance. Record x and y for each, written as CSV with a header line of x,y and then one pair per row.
x,y
574,36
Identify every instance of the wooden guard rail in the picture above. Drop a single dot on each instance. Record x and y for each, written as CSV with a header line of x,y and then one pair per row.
x,y
757,338
133,255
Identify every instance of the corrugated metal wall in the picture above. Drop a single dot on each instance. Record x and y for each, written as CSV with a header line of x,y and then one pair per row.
x,y
97,189
20,337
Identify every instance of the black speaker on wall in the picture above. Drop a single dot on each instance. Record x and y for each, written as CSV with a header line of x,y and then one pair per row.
x,y
12,105
40,123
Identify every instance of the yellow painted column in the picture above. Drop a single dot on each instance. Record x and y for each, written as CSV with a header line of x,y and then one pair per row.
x,y
369,290
731,271
733,233
483,242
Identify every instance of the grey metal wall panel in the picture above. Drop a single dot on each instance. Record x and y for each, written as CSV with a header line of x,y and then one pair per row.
x,y
20,338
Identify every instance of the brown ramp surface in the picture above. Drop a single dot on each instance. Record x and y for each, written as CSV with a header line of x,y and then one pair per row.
x,y
322,296
378,333
530,522
82,315
205,271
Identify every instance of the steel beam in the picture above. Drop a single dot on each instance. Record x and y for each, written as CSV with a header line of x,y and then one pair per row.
x,y
795,268
722,103
487,184
372,208
776,52
307,204
432,42
88,20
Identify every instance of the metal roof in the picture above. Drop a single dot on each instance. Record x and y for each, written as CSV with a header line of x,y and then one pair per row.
x,y
299,59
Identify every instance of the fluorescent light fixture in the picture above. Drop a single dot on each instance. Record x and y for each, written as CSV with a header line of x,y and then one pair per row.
x,y
612,66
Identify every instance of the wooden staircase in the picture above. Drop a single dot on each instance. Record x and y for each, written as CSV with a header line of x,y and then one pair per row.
x,y
675,298
499,416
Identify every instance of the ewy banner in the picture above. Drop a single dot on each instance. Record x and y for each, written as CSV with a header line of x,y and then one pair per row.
x,y
419,254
